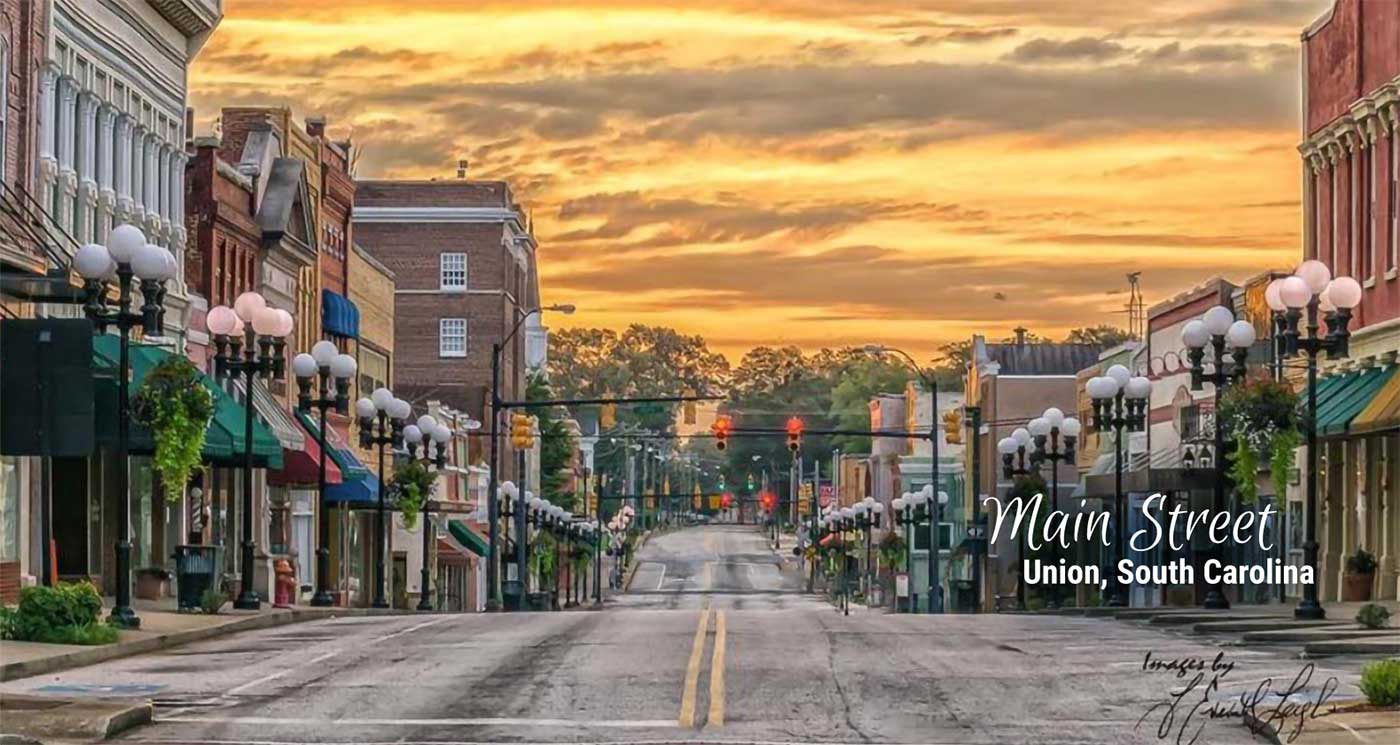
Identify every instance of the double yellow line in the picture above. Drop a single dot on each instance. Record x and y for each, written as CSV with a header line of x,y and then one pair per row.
x,y
692,672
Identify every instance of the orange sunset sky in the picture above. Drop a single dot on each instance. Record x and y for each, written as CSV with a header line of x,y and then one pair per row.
x,y
826,172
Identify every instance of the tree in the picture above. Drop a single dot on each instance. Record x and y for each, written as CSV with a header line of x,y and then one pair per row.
x,y
1103,336
556,445
860,381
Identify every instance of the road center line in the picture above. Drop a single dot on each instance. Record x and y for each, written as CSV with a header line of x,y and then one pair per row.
x,y
692,670
428,722
716,718
412,628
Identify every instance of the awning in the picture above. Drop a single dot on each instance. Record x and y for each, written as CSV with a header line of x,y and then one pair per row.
x,y
1383,413
344,458
278,419
303,466
357,492
1347,398
339,315
223,440
468,538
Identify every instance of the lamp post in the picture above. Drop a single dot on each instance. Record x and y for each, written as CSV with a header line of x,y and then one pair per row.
x,y
1120,404
1311,289
328,373
1055,436
911,511
127,257
259,354
1015,461
1218,329
869,514
382,419
433,437
935,584
493,564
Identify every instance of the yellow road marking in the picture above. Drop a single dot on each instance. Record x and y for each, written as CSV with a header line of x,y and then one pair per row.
x,y
716,718
692,671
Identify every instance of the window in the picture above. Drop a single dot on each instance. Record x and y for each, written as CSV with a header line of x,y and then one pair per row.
x,y
1368,247
452,337
1394,199
1190,422
4,103
453,268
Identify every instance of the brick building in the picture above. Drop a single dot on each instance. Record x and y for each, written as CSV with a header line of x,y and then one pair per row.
x,y
1351,210
463,256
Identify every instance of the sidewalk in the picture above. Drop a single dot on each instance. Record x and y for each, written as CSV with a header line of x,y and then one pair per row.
x,y
161,627
1338,727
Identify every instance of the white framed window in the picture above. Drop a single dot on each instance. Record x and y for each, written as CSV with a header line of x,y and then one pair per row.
x,y
452,337
1394,200
452,272
1371,258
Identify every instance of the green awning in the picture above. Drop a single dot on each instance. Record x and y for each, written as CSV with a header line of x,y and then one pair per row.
x,y
1347,398
351,469
223,440
468,537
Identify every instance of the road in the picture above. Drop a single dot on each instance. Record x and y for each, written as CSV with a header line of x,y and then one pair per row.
x,y
715,644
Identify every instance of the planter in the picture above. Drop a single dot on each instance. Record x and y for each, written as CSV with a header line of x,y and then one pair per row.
x,y
1357,587
152,584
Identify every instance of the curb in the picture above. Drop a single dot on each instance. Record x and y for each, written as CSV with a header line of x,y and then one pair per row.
x,y
632,568
94,655
73,719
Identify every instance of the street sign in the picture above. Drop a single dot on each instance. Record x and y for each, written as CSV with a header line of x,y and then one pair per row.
x,y
901,585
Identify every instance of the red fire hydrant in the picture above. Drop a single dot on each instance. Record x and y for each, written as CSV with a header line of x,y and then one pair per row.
x,y
285,586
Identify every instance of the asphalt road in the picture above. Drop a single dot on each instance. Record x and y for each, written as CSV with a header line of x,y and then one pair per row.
x,y
715,644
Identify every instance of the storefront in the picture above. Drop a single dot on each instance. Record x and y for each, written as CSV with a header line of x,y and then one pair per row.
x,y
351,501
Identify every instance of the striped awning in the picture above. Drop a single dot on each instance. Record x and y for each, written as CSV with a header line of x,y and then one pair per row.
x,y
278,419
1346,396
339,315
1383,413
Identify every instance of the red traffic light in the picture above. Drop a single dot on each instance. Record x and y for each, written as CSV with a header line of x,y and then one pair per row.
x,y
794,434
726,501
768,500
720,429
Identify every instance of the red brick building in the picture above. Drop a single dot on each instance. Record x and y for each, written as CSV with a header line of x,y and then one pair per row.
x,y
1351,193
463,258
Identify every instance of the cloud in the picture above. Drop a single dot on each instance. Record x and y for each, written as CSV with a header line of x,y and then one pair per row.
x,y
1083,49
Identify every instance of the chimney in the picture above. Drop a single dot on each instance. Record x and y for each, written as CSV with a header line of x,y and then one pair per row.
x,y
462,168
316,126
1020,336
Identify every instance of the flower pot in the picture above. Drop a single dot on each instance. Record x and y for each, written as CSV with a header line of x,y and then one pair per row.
x,y
150,585
1357,587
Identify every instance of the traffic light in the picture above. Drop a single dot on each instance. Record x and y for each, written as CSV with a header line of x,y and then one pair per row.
x,y
768,501
522,434
952,427
794,434
727,501
720,429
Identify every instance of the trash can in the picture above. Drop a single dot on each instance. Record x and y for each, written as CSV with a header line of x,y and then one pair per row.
x,y
195,570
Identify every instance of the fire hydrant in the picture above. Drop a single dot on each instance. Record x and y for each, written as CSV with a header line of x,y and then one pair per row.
x,y
285,589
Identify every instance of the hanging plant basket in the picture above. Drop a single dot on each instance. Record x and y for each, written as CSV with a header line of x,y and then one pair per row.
x,y
892,549
1261,417
175,405
412,484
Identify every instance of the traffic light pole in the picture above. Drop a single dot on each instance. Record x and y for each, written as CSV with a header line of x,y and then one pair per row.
x,y
493,513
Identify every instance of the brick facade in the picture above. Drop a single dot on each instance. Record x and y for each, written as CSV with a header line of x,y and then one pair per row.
x,y
220,209
23,38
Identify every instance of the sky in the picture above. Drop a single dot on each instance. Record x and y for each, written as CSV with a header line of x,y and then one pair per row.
x,y
821,172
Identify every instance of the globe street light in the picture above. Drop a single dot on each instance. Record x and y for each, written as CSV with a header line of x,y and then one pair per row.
x,y
126,257
323,383
1310,289
435,439
382,421
1055,436
1120,404
249,340
1220,330
1016,460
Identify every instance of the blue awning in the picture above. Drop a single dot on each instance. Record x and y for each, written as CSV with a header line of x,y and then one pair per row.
x,y
356,492
339,316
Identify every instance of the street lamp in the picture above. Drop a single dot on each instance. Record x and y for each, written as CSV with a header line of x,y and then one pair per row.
x,y
317,374
1219,329
910,511
126,257
1055,436
258,354
435,439
1310,289
1120,404
935,589
382,419
1015,461
493,580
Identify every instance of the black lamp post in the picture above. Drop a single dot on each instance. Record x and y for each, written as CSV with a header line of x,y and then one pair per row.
x,y
911,511
126,258
1218,329
837,522
328,373
382,419
1016,461
1054,436
1311,289
257,354
434,439
1120,404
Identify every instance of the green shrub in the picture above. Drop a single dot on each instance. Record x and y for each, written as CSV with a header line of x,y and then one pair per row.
x,y
43,609
212,601
86,634
7,622
1380,681
1361,562
1373,616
